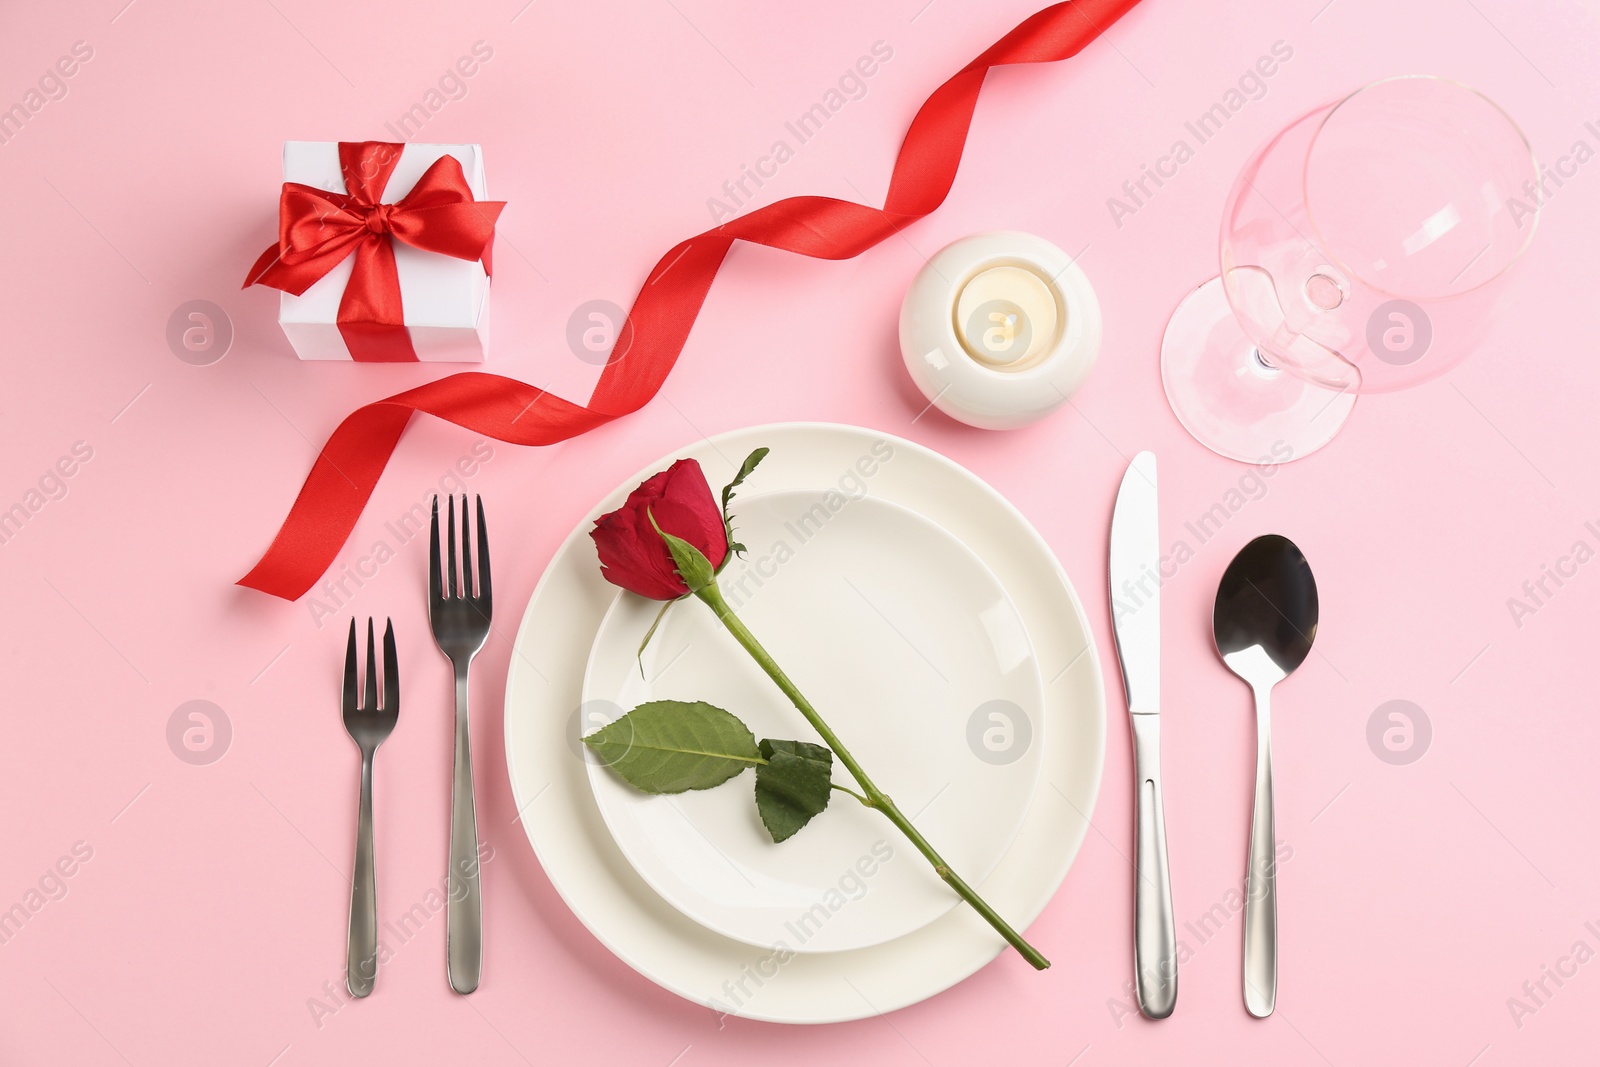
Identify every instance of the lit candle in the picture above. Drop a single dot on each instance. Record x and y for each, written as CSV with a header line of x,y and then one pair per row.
x,y
1006,316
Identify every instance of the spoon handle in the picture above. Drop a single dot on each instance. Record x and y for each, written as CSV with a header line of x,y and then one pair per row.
x,y
1261,879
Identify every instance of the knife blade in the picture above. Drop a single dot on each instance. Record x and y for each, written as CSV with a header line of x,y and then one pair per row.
x,y
1135,580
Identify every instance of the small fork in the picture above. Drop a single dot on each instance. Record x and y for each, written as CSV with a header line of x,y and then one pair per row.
x,y
368,723
460,617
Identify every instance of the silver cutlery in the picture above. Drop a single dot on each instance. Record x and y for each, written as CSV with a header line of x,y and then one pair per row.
x,y
368,720
459,612
1136,621
1264,622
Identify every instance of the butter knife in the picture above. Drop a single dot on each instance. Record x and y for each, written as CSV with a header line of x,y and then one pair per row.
x,y
1136,621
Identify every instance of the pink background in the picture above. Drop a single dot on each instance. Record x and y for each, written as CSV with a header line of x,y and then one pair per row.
x,y
1419,898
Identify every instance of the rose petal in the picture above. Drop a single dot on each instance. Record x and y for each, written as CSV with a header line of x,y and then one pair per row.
x,y
632,553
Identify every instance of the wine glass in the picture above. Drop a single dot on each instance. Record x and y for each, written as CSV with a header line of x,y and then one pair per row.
x,y
1363,248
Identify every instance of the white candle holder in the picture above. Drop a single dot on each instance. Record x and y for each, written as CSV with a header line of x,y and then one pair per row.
x,y
999,329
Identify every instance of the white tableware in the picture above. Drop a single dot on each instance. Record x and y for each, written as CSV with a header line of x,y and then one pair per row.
x,y
544,718
912,651
999,329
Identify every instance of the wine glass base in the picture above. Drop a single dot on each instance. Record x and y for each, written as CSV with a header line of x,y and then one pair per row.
x,y
1230,399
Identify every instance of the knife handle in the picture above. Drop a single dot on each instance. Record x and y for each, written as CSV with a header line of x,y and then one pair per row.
x,y
1155,943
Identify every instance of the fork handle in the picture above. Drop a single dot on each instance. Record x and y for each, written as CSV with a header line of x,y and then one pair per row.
x,y
361,955
465,911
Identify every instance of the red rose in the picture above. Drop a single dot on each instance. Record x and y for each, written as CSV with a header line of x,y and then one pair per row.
x,y
632,553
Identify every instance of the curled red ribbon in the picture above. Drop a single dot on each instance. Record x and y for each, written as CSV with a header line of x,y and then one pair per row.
x,y
317,230
343,477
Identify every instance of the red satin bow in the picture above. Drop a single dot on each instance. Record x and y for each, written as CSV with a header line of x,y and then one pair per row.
x,y
318,229
342,479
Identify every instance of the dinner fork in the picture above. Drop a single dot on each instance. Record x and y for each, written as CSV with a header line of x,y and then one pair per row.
x,y
460,619
368,721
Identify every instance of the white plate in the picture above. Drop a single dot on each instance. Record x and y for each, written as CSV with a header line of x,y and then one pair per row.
x,y
549,779
912,651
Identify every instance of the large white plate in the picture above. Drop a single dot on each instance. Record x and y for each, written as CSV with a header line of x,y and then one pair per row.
x,y
549,779
917,658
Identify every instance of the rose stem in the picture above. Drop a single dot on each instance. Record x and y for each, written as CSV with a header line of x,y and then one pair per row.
x,y
876,798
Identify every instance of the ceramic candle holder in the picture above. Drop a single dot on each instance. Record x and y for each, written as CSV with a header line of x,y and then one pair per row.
x,y
999,329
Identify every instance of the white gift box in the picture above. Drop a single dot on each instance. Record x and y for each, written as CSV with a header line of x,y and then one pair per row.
x,y
445,299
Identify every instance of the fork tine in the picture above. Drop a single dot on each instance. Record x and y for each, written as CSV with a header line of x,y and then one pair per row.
x,y
349,702
450,540
466,550
391,673
435,581
485,591
370,703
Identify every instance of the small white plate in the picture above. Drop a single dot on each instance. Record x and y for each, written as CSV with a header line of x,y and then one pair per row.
x,y
910,649
556,807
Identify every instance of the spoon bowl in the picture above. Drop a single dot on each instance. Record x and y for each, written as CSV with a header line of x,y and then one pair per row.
x,y
1264,622
1266,612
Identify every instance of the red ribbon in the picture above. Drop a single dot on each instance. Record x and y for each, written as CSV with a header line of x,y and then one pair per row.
x,y
318,229
343,477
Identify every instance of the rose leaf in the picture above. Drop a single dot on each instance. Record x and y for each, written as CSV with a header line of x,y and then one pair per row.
x,y
793,785
671,746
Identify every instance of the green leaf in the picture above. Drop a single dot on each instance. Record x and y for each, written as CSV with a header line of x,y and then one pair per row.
x,y
749,464
792,786
672,746
693,567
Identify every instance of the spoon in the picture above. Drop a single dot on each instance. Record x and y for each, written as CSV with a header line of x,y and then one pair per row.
x,y
1264,623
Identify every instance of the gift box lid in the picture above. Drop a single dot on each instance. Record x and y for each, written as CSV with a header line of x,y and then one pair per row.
x,y
436,290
